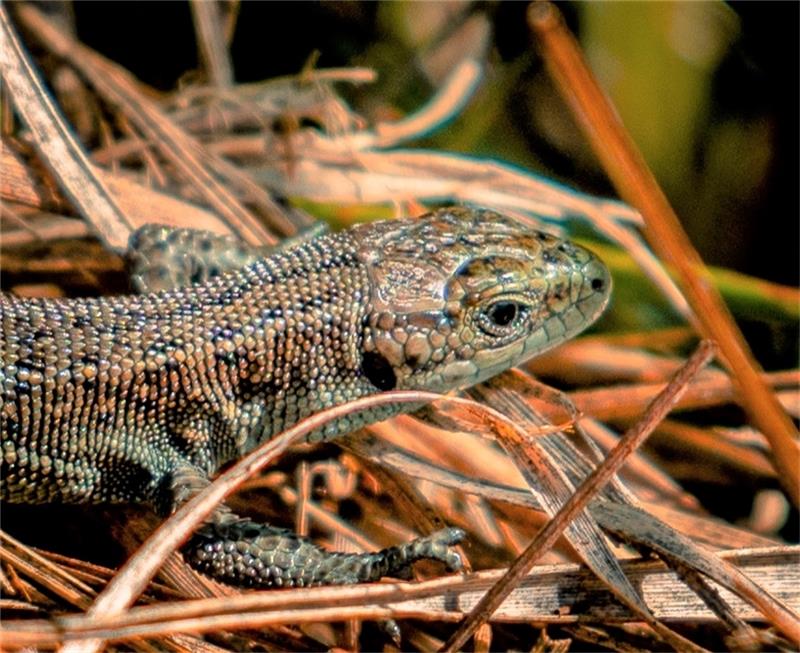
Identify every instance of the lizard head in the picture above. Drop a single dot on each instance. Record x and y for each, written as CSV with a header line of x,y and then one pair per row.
x,y
460,295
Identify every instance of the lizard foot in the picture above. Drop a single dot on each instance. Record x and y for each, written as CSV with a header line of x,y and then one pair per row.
x,y
246,553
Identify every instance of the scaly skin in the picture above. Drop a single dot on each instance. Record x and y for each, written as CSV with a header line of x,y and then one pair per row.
x,y
143,398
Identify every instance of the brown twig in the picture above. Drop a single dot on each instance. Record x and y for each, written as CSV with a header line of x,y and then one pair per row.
x,y
21,183
635,182
188,156
545,539
209,33
54,140
626,401
440,599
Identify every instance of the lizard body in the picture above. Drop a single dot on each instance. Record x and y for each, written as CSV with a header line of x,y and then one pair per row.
x,y
142,398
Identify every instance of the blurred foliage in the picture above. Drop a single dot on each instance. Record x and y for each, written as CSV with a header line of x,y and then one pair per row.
x,y
657,61
639,306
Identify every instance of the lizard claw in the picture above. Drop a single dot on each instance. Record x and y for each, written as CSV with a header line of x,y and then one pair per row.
x,y
437,546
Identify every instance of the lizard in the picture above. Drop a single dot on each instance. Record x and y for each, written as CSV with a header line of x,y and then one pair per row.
x,y
142,398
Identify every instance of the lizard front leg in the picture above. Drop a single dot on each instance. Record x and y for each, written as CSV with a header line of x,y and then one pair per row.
x,y
239,551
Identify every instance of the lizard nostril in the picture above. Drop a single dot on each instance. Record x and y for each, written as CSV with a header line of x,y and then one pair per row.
x,y
598,283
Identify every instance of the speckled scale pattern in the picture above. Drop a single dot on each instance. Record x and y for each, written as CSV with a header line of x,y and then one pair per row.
x,y
162,258
102,397
143,398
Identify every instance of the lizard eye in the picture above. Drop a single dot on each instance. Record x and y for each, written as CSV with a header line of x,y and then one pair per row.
x,y
502,313
502,318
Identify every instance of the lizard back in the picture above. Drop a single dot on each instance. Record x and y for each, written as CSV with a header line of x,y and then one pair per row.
x,y
100,397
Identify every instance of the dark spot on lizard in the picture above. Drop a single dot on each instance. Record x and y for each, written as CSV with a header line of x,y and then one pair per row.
x,y
228,358
378,371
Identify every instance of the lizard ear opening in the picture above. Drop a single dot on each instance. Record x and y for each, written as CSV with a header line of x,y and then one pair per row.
x,y
378,371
